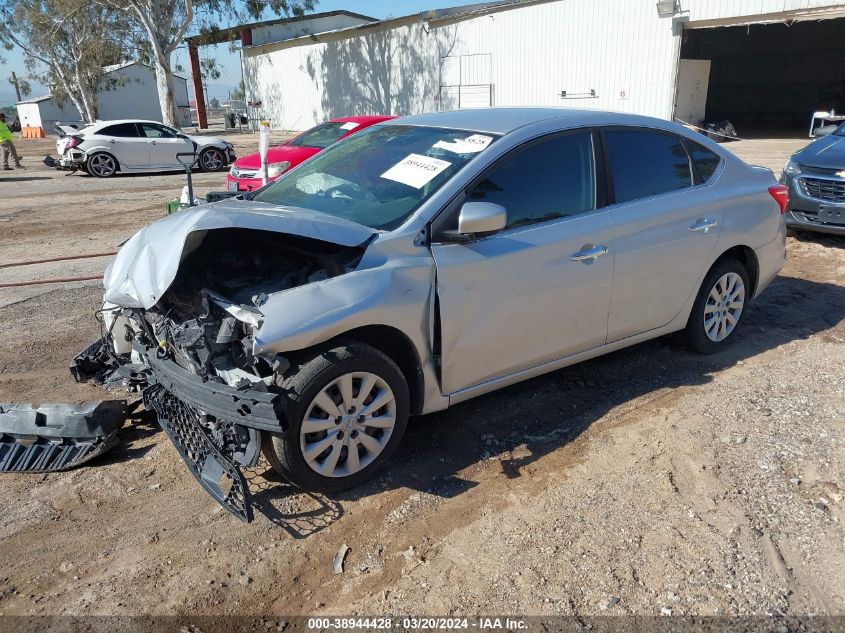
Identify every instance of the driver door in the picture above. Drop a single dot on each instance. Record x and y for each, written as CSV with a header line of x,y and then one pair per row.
x,y
526,295
164,144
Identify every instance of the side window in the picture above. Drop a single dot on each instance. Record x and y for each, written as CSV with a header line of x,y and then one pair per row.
x,y
549,179
121,130
156,131
706,162
644,164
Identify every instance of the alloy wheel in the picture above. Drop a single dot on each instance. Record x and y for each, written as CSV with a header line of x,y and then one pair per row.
x,y
724,306
212,160
348,424
102,165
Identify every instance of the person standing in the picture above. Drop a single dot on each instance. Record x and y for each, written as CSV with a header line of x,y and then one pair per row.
x,y
7,145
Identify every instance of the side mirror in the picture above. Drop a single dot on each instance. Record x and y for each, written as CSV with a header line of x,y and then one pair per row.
x,y
481,217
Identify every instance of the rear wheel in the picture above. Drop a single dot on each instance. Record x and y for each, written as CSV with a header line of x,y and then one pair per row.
x,y
719,307
347,411
212,160
101,165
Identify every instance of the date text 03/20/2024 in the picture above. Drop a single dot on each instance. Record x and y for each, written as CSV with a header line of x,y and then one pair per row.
x,y
411,623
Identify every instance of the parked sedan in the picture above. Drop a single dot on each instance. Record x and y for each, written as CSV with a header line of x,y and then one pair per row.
x,y
245,174
418,264
108,147
816,180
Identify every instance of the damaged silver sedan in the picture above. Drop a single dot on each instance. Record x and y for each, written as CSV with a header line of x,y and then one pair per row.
x,y
421,263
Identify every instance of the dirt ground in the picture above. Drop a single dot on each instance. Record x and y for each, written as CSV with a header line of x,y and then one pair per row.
x,y
651,481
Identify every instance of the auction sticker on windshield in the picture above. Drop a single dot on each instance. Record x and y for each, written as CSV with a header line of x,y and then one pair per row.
x,y
416,170
469,145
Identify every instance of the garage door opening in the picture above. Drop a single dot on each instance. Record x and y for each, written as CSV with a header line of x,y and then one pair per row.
x,y
767,79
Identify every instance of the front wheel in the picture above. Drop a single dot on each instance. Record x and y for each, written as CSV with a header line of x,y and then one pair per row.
x,y
212,160
347,411
719,307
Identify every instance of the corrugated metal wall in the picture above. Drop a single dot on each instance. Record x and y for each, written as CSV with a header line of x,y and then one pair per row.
x,y
621,50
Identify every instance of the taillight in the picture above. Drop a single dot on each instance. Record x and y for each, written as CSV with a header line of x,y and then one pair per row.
x,y
72,141
781,195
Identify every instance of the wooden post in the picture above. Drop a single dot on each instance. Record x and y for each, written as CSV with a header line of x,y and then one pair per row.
x,y
196,75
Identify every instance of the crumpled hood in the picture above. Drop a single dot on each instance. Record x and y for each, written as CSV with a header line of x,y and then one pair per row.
x,y
146,265
828,152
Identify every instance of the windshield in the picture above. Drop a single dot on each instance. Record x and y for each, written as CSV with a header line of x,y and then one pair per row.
x,y
377,177
840,131
323,135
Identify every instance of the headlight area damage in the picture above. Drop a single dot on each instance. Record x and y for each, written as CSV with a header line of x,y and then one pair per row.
x,y
194,353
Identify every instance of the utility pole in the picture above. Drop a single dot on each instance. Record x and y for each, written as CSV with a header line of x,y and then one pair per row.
x,y
15,82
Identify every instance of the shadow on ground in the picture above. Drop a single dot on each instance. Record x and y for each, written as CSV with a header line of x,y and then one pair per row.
x,y
536,417
542,415
825,239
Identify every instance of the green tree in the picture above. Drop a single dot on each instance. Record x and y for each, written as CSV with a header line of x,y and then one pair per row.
x,y
239,93
21,85
66,44
161,27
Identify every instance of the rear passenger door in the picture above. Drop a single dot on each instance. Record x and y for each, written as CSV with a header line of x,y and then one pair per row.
x,y
666,222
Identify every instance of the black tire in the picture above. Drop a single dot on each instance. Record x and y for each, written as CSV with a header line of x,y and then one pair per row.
x,y
695,334
102,165
303,383
212,159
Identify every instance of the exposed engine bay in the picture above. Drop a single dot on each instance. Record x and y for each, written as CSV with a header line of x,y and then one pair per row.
x,y
207,319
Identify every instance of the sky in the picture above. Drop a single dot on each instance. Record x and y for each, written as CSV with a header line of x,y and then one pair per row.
x,y
230,61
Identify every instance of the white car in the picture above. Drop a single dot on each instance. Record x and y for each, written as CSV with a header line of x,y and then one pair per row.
x,y
130,146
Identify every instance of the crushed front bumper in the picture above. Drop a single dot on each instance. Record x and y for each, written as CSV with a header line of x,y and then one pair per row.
x,y
215,472
214,427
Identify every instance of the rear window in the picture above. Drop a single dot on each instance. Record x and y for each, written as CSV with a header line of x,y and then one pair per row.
x,y
706,162
122,130
645,164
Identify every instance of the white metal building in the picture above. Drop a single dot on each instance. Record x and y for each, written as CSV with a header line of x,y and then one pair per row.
x,y
131,95
760,63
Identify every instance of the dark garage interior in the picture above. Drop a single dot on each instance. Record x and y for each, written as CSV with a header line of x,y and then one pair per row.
x,y
768,79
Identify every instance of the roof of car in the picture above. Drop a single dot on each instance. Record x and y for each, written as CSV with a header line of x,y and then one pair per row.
x,y
370,119
505,120
119,121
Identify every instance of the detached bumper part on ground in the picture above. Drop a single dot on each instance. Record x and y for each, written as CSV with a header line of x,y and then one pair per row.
x,y
56,437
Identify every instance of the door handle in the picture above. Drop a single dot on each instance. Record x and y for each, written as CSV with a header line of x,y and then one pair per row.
x,y
590,253
153,142
702,225
112,141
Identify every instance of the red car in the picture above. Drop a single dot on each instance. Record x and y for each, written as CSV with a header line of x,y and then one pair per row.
x,y
245,174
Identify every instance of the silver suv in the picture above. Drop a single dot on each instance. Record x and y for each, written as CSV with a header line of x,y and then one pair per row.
x,y
421,263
